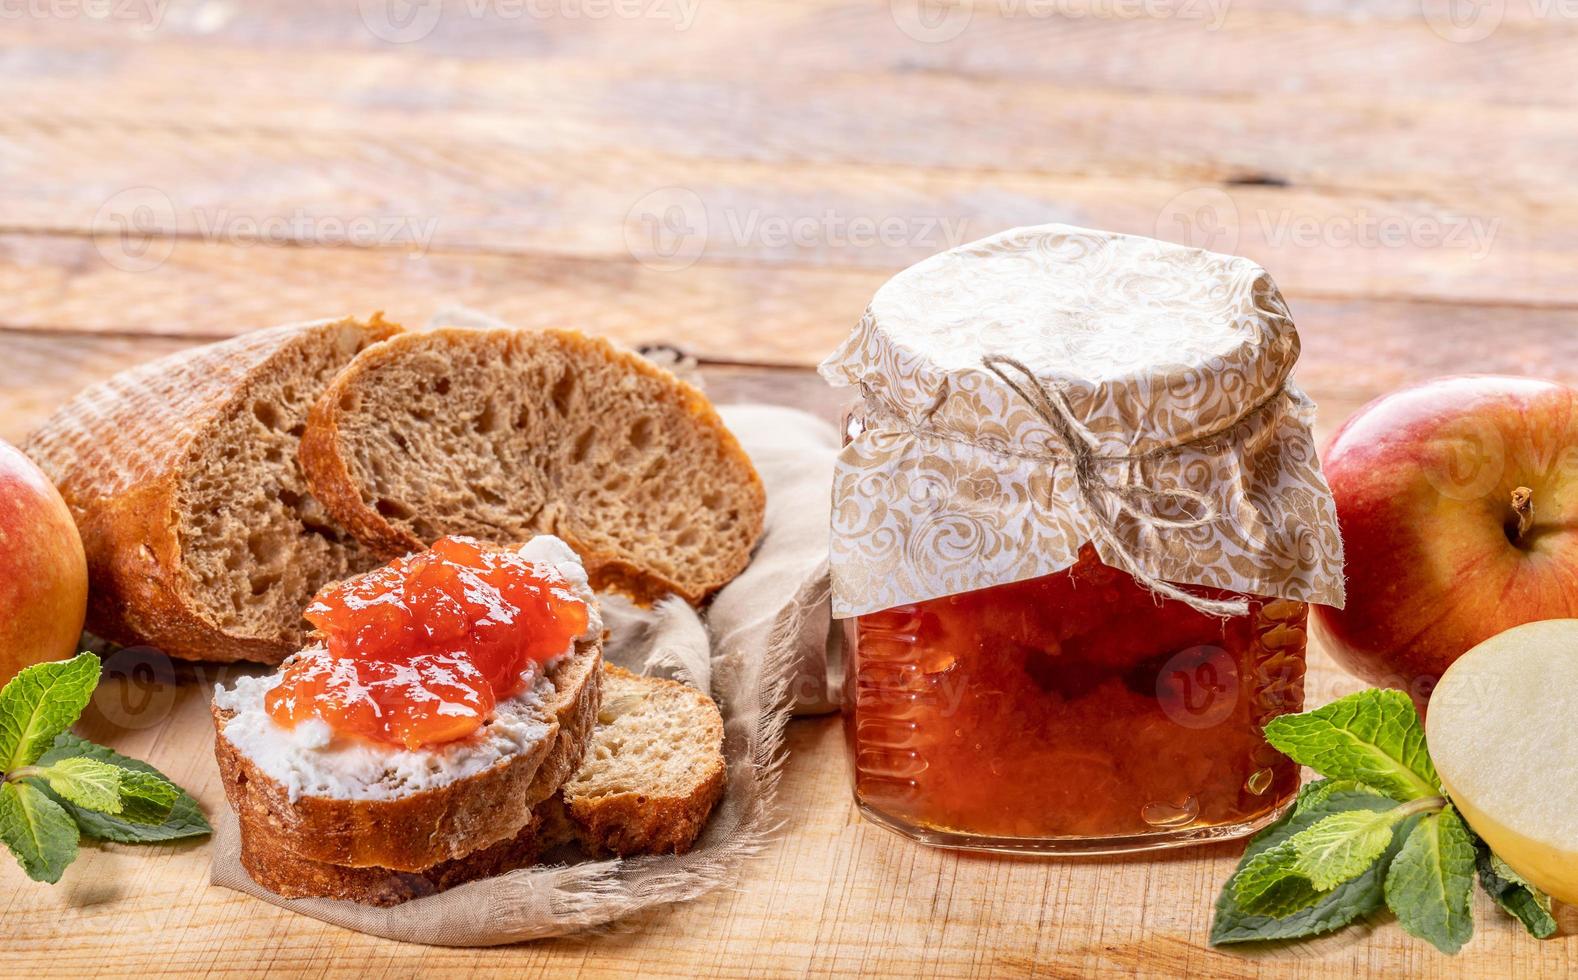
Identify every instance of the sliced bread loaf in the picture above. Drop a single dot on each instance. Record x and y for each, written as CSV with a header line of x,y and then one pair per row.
x,y
395,809
652,772
200,532
504,434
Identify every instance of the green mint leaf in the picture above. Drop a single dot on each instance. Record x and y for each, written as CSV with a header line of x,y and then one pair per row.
x,y
85,782
1430,883
185,818
37,831
1516,896
1342,846
146,797
1316,793
1270,884
39,703
1373,737
1332,910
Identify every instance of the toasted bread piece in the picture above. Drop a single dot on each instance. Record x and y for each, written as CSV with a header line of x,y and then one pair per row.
x,y
200,533
652,773
503,434
283,872
414,831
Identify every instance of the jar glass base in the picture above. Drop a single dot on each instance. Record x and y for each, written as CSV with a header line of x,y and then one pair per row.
x,y
1070,846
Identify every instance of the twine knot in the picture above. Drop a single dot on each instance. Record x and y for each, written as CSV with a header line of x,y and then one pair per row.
x,y
1135,499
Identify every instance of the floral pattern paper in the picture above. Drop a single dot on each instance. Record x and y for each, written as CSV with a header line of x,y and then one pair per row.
x,y
1174,359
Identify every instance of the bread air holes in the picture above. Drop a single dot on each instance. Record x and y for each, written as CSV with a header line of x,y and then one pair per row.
x,y
487,420
641,433
269,414
393,510
261,584
563,392
583,445
441,386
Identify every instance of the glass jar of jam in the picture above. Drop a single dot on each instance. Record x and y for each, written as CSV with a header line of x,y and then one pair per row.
x,y
1071,712
1074,565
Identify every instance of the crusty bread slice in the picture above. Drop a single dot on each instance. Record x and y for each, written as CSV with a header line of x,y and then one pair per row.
x,y
654,770
504,434
652,773
412,832
279,869
201,536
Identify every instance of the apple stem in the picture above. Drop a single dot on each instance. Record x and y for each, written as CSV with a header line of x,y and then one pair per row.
x,y
1523,509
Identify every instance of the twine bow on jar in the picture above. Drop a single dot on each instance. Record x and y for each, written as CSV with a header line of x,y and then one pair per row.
x,y
1135,499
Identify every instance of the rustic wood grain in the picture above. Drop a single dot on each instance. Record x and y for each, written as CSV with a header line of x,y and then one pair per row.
x,y
740,312
1354,47
700,109
424,201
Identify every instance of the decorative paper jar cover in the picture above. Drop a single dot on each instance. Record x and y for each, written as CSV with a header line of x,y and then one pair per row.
x,y
1049,386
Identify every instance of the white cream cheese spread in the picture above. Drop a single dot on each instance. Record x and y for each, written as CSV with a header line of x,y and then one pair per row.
x,y
311,760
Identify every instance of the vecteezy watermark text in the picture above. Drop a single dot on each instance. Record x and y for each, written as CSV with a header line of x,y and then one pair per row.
x,y
1467,21
136,229
673,227
1210,218
405,21
148,13
940,21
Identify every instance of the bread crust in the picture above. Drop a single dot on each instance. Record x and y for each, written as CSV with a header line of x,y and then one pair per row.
x,y
282,871
646,823
625,824
329,475
415,832
116,452
632,824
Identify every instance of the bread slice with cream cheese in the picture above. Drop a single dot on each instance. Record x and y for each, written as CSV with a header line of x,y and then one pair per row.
x,y
653,772
347,801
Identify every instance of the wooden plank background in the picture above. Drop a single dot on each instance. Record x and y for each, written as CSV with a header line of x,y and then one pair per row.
x,y
737,177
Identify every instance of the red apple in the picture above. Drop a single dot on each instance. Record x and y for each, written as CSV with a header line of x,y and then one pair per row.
x,y
43,574
1458,501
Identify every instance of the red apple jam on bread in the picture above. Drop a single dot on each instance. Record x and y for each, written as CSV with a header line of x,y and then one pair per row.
x,y
419,652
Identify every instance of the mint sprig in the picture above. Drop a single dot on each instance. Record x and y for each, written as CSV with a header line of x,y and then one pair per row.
x,y
1373,738
140,799
1431,882
39,703
1378,831
1348,902
56,787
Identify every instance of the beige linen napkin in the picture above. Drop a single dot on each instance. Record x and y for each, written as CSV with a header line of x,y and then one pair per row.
x,y
761,650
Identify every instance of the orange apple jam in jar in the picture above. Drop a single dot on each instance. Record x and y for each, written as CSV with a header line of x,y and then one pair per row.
x,y
1071,712
1076,526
